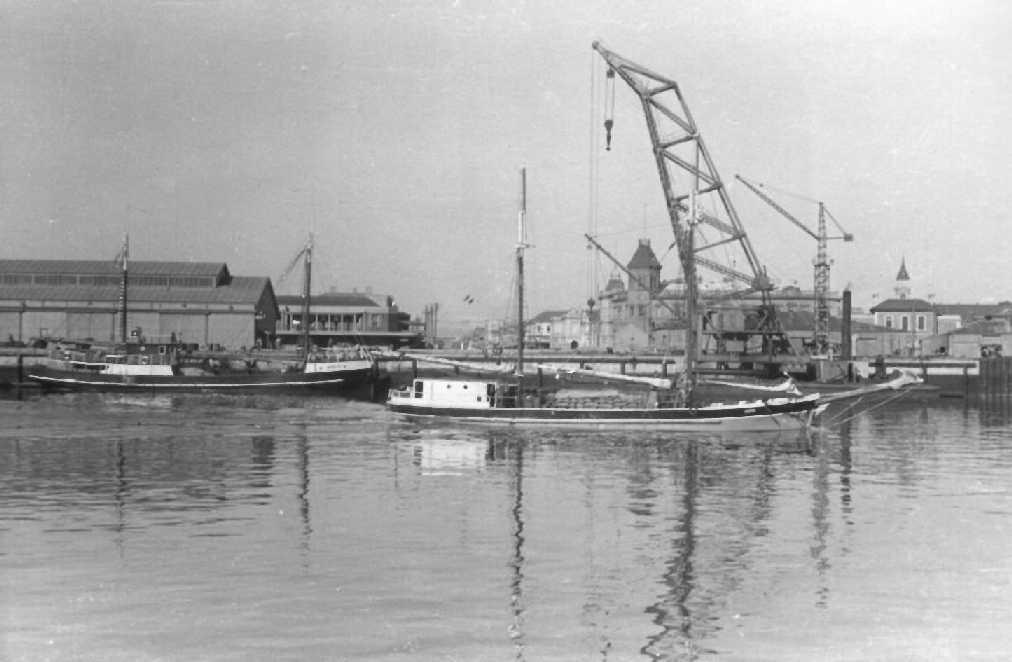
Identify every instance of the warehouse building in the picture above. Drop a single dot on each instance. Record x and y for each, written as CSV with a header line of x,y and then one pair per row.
x,y
189,302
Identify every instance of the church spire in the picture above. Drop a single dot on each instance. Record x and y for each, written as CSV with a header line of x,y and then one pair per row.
x,y
902,287
903,275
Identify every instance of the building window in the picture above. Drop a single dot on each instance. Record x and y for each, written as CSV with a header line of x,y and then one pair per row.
x,y
889,321
920,322
150,281
55,279
906,323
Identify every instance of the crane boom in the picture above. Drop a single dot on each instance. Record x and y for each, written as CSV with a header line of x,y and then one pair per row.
x,y
673,115
678,148
772,203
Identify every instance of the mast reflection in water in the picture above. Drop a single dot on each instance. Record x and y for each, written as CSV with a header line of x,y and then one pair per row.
x,y
263,529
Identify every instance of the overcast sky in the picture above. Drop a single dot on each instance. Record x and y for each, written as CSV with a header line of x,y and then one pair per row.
x,y
395,131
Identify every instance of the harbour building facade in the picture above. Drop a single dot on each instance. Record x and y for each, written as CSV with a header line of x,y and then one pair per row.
x,y
345,318
187,302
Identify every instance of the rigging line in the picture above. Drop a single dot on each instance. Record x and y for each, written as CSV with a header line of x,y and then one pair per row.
x,y
787,193
902,393
833,218
592,170
849,408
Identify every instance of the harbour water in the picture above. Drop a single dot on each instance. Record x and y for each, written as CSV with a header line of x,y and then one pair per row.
x,y
272,528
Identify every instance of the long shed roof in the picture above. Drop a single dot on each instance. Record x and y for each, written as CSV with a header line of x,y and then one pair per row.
x,y
137,267
241,290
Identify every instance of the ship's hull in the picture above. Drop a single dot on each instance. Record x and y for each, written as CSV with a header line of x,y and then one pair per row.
x,y
232,381
753,416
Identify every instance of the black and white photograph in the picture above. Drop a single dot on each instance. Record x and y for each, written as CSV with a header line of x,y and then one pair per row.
x,y
453,331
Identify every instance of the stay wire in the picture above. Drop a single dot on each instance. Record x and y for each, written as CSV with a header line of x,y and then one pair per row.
x,y
902,393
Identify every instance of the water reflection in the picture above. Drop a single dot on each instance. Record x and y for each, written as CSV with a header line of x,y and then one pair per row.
x,y
671,613
516,561
302,454
820,521
156,477
479,544
995,411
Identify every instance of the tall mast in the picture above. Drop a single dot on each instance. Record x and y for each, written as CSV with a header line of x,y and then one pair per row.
x,y
308,257
123,290
521,236
692,325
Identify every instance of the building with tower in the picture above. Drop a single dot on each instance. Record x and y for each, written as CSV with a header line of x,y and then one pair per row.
x,y
644,313
916,317
940,329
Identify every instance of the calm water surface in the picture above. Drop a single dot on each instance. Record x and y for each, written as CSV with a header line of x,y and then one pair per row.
x,y
230,528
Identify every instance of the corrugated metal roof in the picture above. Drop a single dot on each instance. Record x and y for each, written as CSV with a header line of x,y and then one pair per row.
x,y
242,290
329,299
137,267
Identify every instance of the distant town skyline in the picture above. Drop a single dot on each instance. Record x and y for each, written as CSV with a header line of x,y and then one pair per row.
x,y
395,131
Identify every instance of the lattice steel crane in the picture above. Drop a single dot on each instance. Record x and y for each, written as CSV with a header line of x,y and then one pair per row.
x,y
678,146
821,332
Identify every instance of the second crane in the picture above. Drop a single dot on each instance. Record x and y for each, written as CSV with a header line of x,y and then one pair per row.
x,y
821,344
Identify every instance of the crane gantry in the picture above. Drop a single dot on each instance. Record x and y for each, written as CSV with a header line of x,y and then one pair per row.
x,y
821,263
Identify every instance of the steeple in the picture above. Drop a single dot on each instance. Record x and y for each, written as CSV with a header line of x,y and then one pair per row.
x,y
645,267
903,275
902,287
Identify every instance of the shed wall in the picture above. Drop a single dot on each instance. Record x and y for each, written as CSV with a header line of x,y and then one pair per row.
x,y
232,329
187,327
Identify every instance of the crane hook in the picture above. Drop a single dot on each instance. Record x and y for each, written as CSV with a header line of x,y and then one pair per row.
x,y
609,110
